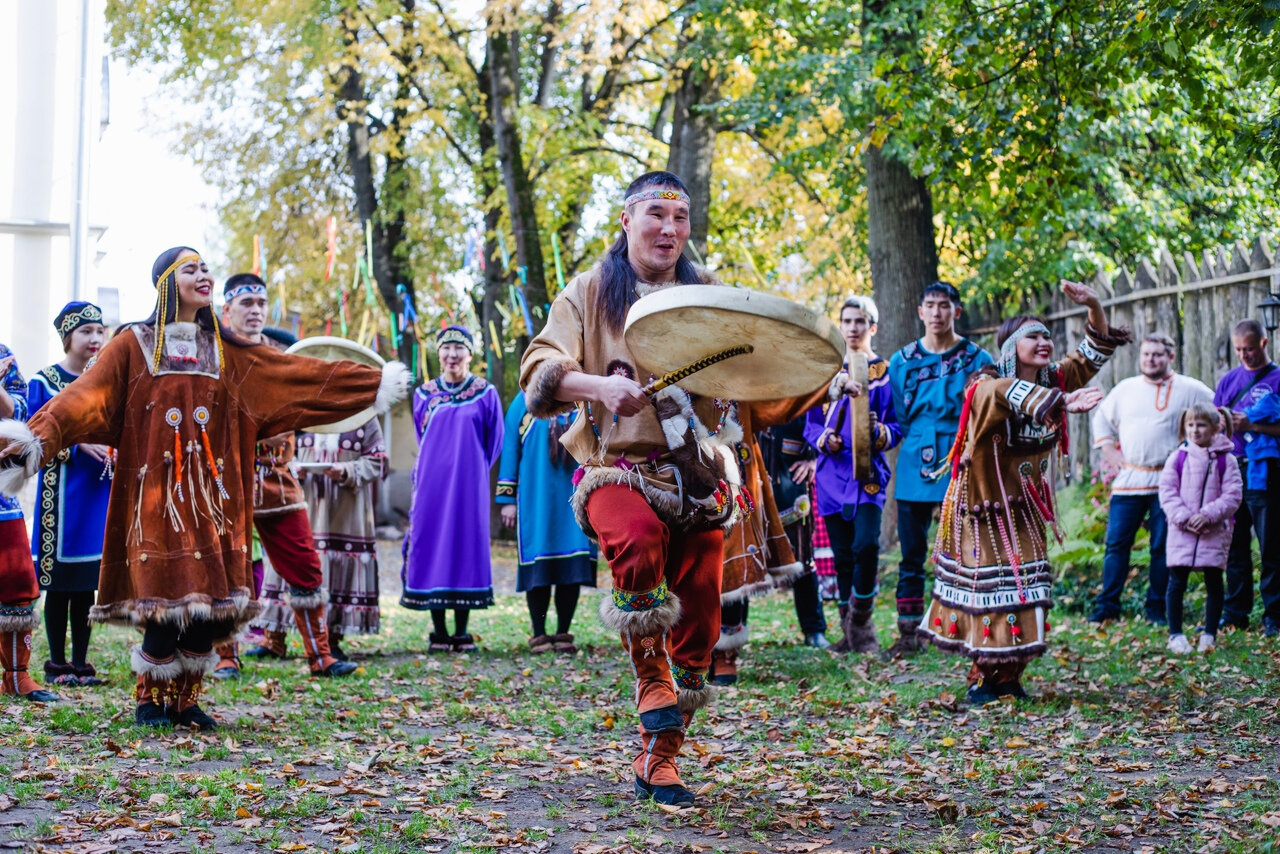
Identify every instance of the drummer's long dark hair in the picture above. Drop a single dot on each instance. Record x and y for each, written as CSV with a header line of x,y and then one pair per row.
x,y
618,277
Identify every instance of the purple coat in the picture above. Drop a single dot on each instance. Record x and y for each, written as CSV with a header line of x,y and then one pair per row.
x,y
1200,489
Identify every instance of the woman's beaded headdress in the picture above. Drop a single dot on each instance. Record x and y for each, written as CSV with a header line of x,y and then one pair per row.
x,y
1007,364
162,283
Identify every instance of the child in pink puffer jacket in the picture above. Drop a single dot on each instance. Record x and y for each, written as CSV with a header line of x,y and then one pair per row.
x,y
1200,489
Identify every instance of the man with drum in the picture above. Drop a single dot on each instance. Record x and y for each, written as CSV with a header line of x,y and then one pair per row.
x,y
658,484
928,377
280,513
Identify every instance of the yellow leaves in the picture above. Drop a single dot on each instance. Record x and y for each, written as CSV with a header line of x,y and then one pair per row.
x,y
1017,742
948,742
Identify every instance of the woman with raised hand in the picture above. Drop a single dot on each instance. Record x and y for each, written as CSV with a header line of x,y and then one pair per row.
x,y
992,579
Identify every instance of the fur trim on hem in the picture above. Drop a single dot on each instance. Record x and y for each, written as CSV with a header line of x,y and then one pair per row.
x,y
665,504
393,388
165,670
198,664
692,699
240,608
786,572
959,647
540,389
315,599
747,591
20,623
27,462
640,623
733,640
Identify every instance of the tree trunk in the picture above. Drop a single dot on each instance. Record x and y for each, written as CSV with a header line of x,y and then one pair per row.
x,y
495,278
352,111
503,88
900,246
900,236
693,143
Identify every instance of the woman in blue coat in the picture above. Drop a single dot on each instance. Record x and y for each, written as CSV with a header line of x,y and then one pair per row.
x,y
535,483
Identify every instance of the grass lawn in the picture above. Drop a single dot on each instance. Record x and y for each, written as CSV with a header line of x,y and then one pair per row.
x,y
1124,748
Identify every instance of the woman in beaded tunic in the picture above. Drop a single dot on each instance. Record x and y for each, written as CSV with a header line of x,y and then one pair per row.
x,y
992,577
184,409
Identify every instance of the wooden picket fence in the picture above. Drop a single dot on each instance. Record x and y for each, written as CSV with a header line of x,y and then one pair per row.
x,y
1196,301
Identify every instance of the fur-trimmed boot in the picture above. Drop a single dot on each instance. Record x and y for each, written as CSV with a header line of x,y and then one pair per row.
x,y
908,642
188,687
724,667
642,620
308,613
861,633
16,623
724,658
843,645
228,666
156,689
273,645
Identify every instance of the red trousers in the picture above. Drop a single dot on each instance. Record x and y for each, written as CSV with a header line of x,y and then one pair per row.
x,y
17,570
286,538
642,551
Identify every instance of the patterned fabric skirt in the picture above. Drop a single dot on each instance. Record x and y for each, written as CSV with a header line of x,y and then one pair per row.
x,y
351,579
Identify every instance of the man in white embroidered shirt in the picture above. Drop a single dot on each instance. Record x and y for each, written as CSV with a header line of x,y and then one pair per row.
x,y
1135,429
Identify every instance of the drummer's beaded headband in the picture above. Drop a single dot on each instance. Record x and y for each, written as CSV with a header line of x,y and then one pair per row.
x,y
665,194
252,288
81,315
162,309
1008,364
454,335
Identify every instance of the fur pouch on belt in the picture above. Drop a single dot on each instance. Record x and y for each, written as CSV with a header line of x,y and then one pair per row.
x,y
707,463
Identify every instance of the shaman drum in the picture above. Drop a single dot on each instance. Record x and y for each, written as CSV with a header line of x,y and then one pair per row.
x,y
734,343
332,349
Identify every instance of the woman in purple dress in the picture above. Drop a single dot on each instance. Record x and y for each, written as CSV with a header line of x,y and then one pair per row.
x,y
459,422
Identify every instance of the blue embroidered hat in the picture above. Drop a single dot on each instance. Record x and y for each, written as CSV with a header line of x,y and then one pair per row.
x,y
455,335
74,315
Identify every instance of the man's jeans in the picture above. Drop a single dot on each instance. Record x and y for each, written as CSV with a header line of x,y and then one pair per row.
x,y
1125,515
1259,515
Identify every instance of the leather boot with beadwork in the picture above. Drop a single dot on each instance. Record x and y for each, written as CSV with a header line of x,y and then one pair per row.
x,y
274,645
656,698
15,655
315,642
724,666
189,712
228,662
657,778
150,694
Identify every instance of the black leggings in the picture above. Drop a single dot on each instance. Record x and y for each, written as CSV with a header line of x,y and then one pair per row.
x,y
1212,597
539,599
460,616
57,606
161,640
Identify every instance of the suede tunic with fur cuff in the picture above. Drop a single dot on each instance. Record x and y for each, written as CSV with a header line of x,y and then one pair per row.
x,y
176,555
632,450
